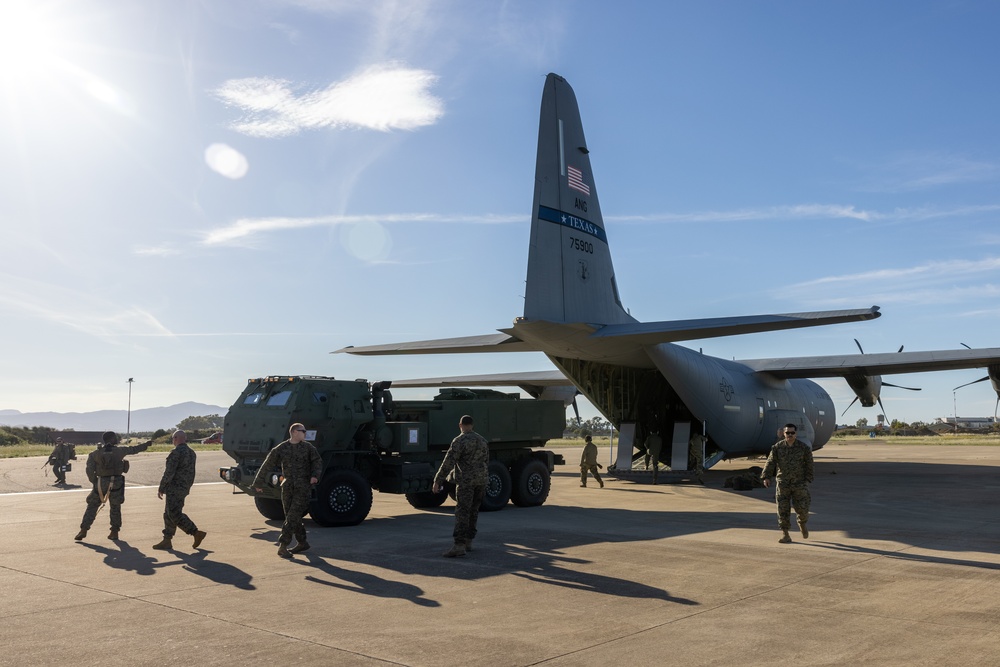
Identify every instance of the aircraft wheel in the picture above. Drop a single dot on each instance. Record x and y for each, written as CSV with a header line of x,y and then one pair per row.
x,y
531,483
498,487
270,508
343,498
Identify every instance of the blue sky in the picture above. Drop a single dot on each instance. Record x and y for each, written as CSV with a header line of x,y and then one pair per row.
x,y
195,193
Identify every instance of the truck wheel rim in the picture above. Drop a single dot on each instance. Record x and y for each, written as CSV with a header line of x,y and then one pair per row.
x,y
342,498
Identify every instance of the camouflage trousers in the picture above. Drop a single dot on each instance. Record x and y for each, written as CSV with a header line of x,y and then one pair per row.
x,y
57,469
174,516
295,502
115,497
468,499
593,471
791,495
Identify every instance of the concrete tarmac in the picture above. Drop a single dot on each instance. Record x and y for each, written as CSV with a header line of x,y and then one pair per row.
x,y
902,567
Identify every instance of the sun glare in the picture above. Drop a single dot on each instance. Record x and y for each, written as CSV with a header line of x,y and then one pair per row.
x,y
29,40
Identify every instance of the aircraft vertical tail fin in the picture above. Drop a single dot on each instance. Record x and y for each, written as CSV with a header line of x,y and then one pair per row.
x,y
571,277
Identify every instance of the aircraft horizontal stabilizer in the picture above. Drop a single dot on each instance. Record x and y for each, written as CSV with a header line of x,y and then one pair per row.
x,y
652,333
498,342
890,363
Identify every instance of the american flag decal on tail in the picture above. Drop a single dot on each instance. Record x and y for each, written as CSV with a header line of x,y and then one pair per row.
x,y
575,178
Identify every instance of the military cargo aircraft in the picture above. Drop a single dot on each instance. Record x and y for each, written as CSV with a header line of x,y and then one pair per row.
x,y
634,372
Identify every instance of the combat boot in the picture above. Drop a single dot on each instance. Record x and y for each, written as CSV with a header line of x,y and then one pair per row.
x,y
583,486
785,539
113,535
283,551
299,548
803,529
199,535
468,545
457,550
164,544
82,534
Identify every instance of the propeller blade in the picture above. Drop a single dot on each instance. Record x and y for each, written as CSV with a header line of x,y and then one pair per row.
x,y
849,406
973,382
899,386
576,409
900,349
965,346
859,346
882,408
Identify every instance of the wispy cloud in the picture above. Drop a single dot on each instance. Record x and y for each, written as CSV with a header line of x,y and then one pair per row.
x,y
382,97
812,212
242,231
953,281
913,171
77,310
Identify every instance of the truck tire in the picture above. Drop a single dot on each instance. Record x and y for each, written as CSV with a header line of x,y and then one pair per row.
x,y
427,499
497,487
531,483
343,498
270,508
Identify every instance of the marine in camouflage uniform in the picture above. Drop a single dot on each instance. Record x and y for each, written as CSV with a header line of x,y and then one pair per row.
x,y
791,461
106,468
696,450
301,467
61,454
654,445
588,463
178,477
468,456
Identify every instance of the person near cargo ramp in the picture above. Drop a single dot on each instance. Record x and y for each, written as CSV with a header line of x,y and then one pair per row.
x,y
588,463
106,468
301,467
468,455
178,477
792,461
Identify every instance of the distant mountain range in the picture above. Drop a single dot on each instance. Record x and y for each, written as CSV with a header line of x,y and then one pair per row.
x,y
145,419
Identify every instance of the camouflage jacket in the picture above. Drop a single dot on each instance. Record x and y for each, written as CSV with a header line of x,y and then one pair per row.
x,y
111,462
654,444
62,453
298,463
178,475
468,455
589,457
791,464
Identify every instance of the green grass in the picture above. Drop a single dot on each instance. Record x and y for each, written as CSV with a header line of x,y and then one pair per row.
x,y
35,449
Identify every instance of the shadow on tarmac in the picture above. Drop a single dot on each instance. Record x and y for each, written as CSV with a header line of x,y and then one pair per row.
x,y
128,558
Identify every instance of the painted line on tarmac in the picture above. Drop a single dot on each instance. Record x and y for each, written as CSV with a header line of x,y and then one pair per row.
x,y
87,489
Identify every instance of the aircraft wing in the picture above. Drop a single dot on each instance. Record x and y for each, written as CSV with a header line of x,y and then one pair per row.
x,y
889,363
551,378
499,342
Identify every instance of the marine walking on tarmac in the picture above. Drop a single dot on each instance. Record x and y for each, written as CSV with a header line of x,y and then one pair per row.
x,y
791,461
178,477
468,456
106,468
300,466
60,459
588,462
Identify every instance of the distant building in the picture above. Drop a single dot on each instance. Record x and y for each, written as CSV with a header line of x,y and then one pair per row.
x,y
967,422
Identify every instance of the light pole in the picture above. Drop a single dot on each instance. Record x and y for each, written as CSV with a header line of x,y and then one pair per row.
x,y
954,403
128,418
